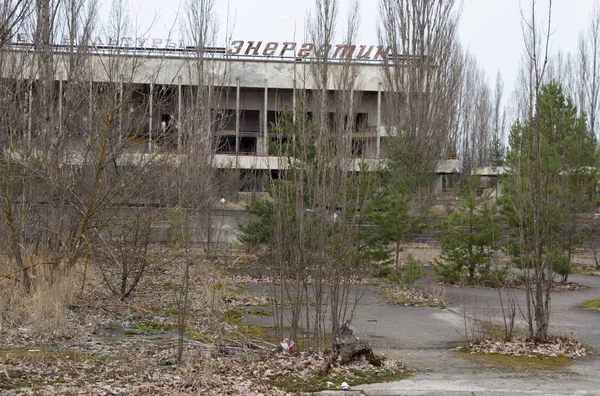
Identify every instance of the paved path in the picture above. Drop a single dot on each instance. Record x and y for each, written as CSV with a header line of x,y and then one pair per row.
x,y
424,339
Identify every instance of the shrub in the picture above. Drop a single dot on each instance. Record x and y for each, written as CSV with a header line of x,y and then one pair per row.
x,y
449,272
494,277
561,265
413,271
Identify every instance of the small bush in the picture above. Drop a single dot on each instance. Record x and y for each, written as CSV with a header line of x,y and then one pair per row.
x,y
384,272
413,271
449,272
494,277
562,267
387,273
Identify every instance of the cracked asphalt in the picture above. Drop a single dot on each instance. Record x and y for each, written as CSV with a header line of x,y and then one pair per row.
x,y
425,338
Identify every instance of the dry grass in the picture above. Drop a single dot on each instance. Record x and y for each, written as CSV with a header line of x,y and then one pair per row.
x,y
44,308
62,340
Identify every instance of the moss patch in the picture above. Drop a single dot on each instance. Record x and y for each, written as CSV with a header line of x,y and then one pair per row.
x,y
318,381
402,300
259,312
585,271
593,305
40,355
519,363
496,331
236,317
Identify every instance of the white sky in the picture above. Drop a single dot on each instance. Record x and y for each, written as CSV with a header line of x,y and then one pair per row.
x,y
490,29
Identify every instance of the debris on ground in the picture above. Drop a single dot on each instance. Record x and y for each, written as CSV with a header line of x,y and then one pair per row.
x,y
110,346
521,346
411,297
287,345
349,348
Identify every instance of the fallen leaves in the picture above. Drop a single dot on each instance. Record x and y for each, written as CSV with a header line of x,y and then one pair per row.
x,y
405,296
520,346
112,347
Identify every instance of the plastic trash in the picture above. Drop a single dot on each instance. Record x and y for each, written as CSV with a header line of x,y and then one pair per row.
x,y
330,384
287,345
345,386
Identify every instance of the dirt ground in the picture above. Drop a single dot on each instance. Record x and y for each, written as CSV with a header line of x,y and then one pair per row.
x,y
98,344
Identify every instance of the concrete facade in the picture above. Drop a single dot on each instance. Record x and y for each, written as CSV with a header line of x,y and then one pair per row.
x,y
253,93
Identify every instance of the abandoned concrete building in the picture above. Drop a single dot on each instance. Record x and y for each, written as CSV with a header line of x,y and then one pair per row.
x,y
251,83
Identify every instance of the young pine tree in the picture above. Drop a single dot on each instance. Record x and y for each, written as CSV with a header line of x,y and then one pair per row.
x,y
469,236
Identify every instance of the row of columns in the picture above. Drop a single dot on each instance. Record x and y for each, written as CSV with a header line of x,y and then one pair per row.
x,y
265,137
265,143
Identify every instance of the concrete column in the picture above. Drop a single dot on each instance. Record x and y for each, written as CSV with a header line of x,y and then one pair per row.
x,y
120,108
348,142
378,132
30,109
294,100
60,104
237,117
265,129
294,104
150,116
179,112
90,106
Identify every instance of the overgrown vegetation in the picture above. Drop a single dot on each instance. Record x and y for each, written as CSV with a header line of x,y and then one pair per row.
x,y
552,175
103,159
469,237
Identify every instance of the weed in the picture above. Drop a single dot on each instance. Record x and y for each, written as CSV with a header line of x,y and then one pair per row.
x,y
236,317
519,363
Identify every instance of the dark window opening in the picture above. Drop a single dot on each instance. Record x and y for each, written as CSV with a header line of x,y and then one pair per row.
x,y
358,147
274,121
276,174
249,121
357,123
361,122
247,144
279,145
166,134
224,120
449,181
226,144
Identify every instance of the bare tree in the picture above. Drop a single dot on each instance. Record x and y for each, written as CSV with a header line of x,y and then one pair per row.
x,y
73,156
424,74
194,182
475,117
13,14
588,70
312,225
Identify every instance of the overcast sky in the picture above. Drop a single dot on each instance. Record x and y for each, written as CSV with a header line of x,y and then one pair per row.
x,y
490,29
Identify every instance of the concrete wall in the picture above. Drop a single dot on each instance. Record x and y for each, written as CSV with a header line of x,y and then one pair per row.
x,y
143,68
224,226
